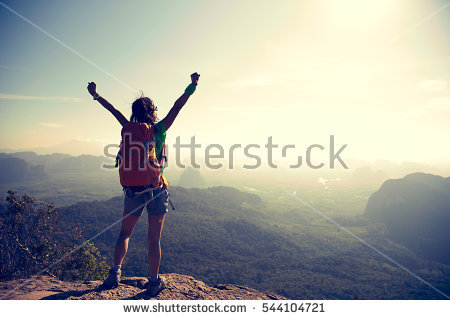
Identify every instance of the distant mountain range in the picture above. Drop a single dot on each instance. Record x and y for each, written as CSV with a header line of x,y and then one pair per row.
x,y
416,211
72,147
15,169
191,178
57,162
17,166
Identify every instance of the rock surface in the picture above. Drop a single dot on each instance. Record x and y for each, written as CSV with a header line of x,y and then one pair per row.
x,y
179,287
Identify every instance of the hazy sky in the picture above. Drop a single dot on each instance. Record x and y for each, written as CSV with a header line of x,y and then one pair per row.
x,y
373,73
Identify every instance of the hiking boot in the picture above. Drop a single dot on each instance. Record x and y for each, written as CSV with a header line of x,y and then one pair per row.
x,y
155,286
113,279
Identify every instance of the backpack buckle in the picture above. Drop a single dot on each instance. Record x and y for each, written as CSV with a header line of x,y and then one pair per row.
x,y
128,192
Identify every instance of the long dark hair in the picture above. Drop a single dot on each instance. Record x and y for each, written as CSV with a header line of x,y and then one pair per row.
x,y
142,110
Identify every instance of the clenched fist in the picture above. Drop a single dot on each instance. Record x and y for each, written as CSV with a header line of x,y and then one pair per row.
x,y
194,77
92,88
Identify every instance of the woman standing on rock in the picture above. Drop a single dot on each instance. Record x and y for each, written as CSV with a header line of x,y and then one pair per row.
x,y
141,162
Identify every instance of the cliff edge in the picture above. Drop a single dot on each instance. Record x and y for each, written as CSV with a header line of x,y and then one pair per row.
x,y
179,287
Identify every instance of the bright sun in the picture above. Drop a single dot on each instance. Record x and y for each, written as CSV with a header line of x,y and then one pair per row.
x,y
358,13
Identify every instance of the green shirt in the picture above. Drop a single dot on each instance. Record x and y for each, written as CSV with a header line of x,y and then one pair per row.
x,y
160,138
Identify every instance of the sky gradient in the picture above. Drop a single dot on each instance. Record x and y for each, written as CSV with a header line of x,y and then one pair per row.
x,y
373,73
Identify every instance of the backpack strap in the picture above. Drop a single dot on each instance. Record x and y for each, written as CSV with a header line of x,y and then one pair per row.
x,y
118,158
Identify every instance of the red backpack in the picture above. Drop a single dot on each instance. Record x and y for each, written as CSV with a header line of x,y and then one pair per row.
x,y
138,164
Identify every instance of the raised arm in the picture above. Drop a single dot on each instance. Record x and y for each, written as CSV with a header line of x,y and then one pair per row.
x,y
170,118
92,88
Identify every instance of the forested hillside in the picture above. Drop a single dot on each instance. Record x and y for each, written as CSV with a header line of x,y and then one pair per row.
x,y
222,235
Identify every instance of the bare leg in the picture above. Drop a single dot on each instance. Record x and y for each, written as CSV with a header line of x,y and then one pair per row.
x,y
128,224
155,225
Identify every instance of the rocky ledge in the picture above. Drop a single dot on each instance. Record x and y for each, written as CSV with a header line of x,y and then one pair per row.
x,y
179,287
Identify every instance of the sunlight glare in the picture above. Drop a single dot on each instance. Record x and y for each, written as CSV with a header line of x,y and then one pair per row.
x,y
358,13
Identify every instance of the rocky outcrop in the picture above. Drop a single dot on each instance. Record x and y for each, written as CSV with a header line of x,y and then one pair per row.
x,y
416,212
179,287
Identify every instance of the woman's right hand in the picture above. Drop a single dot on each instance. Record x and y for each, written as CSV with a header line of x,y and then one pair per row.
x,y
92,88
194,77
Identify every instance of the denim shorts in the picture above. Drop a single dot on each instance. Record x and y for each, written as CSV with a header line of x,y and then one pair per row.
x,y
158,202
